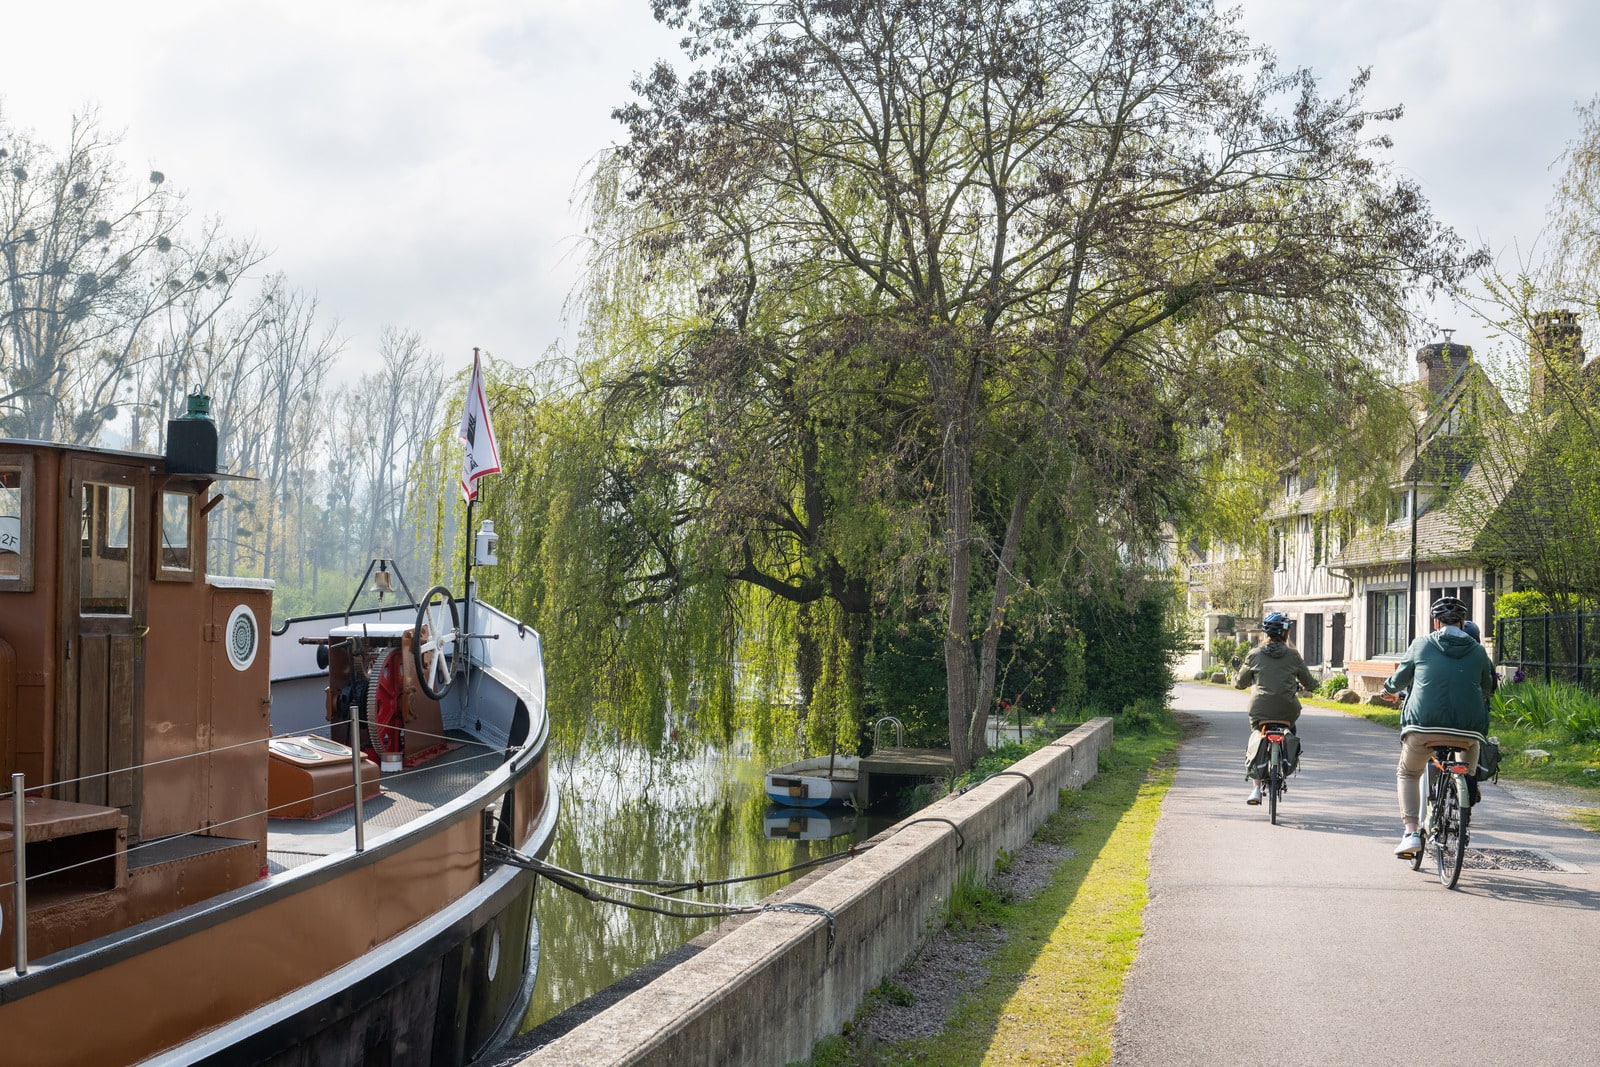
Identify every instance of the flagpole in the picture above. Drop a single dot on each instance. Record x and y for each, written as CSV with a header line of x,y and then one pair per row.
x,y
466,622
482,456
466,618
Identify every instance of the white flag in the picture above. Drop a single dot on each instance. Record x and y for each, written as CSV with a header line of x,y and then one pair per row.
x,y
482,454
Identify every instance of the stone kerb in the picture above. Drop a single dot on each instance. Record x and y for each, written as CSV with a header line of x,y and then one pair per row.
x,y
766,992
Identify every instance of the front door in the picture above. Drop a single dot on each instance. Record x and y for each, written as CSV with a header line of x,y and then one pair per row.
x,y
103,550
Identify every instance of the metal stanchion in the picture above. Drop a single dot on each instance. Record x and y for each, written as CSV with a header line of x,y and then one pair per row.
x,y
19,841
355,763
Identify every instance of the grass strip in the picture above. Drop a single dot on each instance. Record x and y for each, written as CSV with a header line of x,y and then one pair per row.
x,y
1053,986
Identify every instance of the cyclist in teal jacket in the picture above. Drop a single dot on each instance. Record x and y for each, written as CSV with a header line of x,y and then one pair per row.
x,y
1450,678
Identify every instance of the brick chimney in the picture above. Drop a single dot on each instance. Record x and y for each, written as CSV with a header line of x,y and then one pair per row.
x,y
1439,363
1554,356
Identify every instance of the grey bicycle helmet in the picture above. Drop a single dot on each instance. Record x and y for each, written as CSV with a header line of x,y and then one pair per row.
x,y
1276,624
1449,610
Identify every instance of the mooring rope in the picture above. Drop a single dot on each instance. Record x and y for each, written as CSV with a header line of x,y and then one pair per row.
x,y
701,884
572,881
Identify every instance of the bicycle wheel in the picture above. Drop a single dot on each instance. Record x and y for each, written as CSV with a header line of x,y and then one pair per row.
x,y
1274,780
1451,840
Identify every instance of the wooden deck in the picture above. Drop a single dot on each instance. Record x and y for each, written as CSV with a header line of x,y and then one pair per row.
x,y
916,762
893,763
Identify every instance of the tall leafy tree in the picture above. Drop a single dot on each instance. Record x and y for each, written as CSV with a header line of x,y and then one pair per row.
x,y
1082,222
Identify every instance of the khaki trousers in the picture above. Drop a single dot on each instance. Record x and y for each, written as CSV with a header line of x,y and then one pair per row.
x,y
1415,748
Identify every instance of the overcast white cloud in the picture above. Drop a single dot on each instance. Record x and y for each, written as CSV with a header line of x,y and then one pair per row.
x,y
414,163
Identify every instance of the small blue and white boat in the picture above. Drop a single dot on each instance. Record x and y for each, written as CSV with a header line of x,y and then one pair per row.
x,y
816,782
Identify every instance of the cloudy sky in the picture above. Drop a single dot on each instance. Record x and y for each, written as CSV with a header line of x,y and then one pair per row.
x,y
414,162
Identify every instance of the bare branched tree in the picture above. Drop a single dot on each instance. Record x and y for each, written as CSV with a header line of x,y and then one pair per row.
x,y
89,263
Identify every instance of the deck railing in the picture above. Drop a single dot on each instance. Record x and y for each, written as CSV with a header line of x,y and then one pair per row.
x,y
17,795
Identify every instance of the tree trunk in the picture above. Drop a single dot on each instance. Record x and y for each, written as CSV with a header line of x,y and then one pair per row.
x,y
960,670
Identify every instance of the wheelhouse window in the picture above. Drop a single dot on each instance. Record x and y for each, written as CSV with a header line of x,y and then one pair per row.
x,y
105,575
16,523
1386,623
176,560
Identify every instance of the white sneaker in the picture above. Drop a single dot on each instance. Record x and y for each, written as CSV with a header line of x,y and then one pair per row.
x,y
1409,845
1255,793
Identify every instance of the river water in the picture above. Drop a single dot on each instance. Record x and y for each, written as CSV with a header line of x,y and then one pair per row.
x,y
702,817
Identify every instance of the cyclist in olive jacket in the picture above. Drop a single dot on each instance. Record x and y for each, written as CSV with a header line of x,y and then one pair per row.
x,y
1451,679
1274,673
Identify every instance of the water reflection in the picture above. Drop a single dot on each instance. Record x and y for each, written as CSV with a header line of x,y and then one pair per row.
x,y
808,824
701,818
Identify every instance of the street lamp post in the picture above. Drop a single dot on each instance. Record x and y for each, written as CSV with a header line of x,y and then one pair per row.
x,y
1411,597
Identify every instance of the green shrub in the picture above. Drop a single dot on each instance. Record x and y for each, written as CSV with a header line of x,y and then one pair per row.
x,y
1225,649
1332,685
1140,716
1521,602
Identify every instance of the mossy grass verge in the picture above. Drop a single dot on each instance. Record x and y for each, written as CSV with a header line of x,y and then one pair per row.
x,y
1053,985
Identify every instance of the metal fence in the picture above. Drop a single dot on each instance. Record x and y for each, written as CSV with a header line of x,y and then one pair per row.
x,y
1560,647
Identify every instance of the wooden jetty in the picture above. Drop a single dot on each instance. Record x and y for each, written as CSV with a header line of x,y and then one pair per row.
x,y
886,767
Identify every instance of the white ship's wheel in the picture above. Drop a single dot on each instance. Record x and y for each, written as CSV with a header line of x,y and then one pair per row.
x,y
434,642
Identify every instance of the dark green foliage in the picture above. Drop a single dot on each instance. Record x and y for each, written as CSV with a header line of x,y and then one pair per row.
x,y
1128,650
1109,657
904,676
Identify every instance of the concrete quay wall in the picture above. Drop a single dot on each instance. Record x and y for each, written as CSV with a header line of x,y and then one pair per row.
x,y
766,992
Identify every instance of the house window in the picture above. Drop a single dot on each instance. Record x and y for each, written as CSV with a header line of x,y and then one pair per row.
x,y
1319,541
1277,548
1399,505
1386,623
1336,655
1311,639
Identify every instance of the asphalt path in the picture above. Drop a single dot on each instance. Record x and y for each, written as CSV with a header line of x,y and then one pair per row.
x,y
1310,943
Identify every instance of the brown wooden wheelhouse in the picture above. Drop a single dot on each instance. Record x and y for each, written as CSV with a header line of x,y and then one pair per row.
x,y
203,884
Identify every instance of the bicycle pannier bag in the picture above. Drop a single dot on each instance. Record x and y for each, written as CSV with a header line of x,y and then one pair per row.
x,y
1488,760
1291,753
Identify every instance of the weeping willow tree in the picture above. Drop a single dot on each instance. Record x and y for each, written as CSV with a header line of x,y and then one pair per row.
x,y
649,634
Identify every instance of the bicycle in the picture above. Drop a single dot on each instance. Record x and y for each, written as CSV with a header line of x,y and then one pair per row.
x,y
1276,784
1447,812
